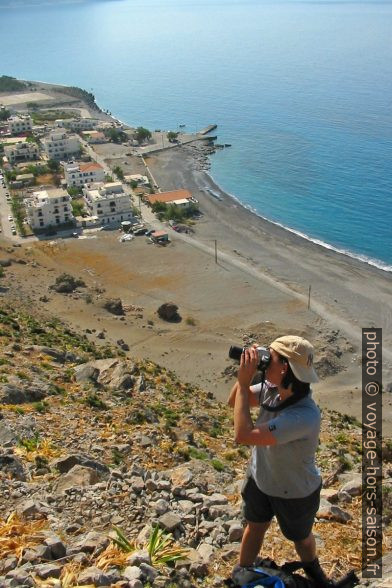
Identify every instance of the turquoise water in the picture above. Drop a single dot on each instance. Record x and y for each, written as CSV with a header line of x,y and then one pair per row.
x,y
302,91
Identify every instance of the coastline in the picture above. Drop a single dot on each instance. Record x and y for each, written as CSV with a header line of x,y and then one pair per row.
x,y
378,264
262,278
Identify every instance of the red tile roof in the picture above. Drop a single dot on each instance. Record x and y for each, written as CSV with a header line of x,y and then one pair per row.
x,y
169,196
87,167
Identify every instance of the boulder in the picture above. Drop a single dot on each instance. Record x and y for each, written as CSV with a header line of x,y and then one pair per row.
x,y
91,542
169,521
11,466
114,306
331,512
65,464
354,486
32,509
96,577
65,283
76,477
168,311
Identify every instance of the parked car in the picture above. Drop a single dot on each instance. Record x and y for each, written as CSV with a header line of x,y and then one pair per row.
x,y
140,231
13,231
10,218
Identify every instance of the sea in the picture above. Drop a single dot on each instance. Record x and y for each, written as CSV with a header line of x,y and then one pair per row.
x,y
301,90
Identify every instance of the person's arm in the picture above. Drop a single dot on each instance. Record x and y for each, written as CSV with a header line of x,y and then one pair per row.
x,y
254,396
244,430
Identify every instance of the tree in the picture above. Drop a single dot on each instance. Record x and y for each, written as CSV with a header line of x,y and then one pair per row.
x,y
172,136
116,135
4,114
118,172
53,165
142,135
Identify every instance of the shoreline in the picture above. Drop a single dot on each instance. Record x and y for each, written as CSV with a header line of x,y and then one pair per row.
x,y
376,263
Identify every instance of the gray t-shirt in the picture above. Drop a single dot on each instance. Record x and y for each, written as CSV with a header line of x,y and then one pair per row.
x,y
287,469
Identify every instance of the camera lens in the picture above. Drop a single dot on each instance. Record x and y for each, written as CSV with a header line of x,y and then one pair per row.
x,y
235,352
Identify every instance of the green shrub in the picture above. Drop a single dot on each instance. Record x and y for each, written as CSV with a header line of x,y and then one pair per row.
x,y
218,465
94,401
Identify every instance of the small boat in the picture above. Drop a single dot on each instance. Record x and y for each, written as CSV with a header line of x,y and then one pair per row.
x,y
182,126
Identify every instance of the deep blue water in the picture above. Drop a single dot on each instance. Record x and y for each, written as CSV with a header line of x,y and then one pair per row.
x,y
302,91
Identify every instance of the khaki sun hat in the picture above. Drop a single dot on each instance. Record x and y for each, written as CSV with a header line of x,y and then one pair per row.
x,y
299,353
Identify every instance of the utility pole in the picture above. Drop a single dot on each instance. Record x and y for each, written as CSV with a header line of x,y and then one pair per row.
x,y
216,250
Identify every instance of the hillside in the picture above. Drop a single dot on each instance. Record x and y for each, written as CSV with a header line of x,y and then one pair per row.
x,y
94,439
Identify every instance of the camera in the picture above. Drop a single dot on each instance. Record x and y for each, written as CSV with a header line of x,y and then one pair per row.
x,y
236,351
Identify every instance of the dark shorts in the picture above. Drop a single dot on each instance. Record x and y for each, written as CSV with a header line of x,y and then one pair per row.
x,y
294,515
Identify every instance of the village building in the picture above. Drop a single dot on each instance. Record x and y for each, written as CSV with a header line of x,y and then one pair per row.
x,y
182,198
78,124
94,137
21,151
48,208
108,202
19,124
60,145
79,174
141,180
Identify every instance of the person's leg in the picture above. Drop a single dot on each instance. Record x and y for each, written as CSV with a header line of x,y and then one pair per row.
x,y
252,540
306,548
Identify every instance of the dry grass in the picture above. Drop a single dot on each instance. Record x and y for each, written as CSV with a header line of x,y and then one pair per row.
x,y
17,535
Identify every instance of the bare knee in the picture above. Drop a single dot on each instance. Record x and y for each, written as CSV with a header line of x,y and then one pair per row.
x,y
258,528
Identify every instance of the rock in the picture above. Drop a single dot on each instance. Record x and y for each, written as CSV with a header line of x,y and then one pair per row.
x,y
55,354
92,542
169,312
138,557
160,506
181,476
235,532
31,509
205,551
137,484
353,487
11,466
5,262
9,564
330,494
65,464
331,512
135,584
56,546
45,571
169,521
86,372
114,305
199,569
7,436
230,551
65,283
97,577
132,573
148,572
11,394
77,476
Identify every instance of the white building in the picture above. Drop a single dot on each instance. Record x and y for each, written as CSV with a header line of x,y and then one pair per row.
x,y
22,151
79,174
108,202
78,124
48,208
19,124
60,145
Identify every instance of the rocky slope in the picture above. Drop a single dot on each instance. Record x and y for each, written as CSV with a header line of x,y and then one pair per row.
x,y
94,440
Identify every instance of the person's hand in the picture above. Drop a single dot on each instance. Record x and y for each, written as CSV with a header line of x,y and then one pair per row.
x,y
248,366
